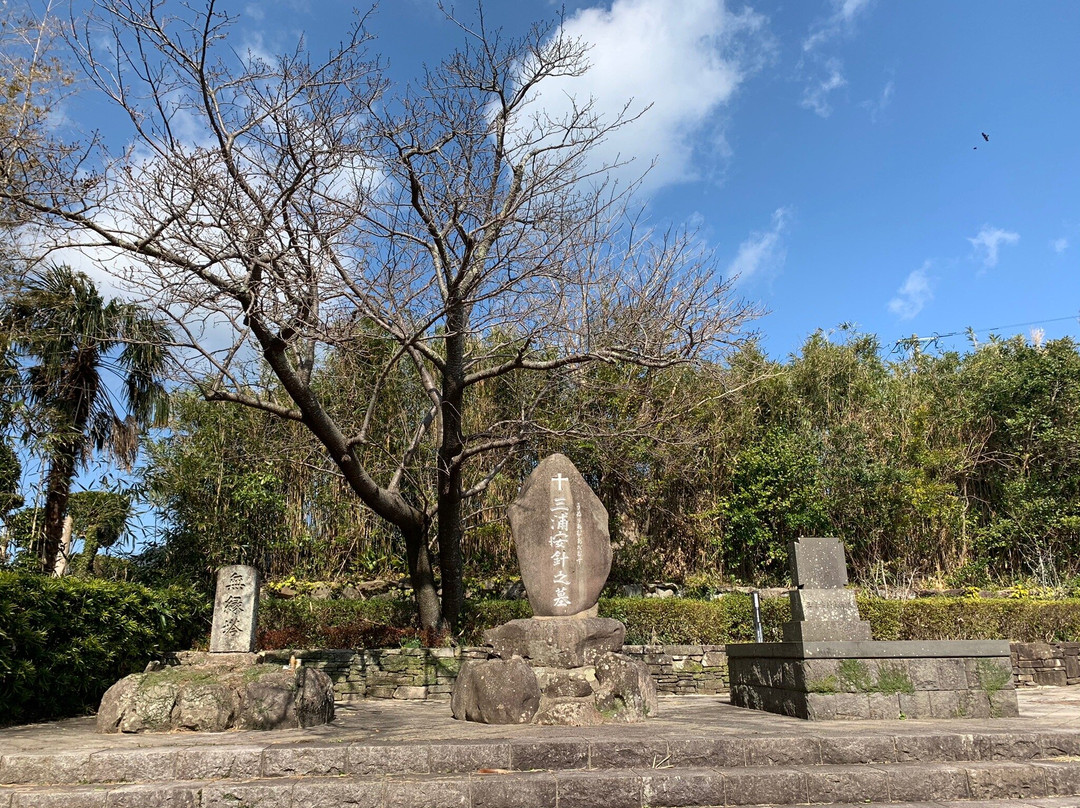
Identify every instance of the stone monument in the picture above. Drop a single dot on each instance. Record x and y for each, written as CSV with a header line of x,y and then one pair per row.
x,y
828,667
561,666
236,610
225,688
822,610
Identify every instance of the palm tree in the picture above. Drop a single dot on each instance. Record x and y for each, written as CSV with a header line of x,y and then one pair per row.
x,y
65,338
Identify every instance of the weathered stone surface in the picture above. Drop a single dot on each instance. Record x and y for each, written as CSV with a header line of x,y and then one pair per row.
x,y
823,604
495,691
236,609
565,643
560,530
213,699
627,691
576,682
569,712
817,563
807,631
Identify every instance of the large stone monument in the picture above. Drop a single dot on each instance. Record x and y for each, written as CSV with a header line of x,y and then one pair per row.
x,y
226,688
827,667
236,610
561,666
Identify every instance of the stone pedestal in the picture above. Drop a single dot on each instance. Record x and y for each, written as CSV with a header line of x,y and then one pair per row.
x,y
555,671
874,680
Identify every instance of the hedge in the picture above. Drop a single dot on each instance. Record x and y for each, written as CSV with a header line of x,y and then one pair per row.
x,y
64,641
304,623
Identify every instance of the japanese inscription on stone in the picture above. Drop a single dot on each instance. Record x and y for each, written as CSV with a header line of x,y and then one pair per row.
x,y
561,534
236,605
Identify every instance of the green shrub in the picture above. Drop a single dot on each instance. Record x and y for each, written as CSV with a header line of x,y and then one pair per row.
x,y
306,623
64,641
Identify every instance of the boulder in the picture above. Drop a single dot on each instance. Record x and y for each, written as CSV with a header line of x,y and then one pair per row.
x,y
556,643
626,691
560,531
214,698
495,691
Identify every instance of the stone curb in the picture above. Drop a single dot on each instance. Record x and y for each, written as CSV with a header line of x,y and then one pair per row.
x,y
597,788
250,761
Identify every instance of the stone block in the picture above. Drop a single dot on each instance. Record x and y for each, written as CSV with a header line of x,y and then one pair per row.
x,y
1004,780
208,762
773,786
1051,678
527,790
231,795
928,782
411,692
826,631
598,789
707,752
688,787
852,706
850,784
303,760
857,749
568,712
817,563
236,610
132,765
157,795
625,754
915,705
792,751
427,792
550,755
945,704
883,706
362,759
60,768
453,758
68,798
820,707
1061,776
329,793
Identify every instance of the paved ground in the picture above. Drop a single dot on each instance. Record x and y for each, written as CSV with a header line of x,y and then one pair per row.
x,y
403,722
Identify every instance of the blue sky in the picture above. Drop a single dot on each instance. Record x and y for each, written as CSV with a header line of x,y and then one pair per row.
x,y
830,151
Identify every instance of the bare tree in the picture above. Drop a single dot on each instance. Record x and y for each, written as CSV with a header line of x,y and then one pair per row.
x,y
281,210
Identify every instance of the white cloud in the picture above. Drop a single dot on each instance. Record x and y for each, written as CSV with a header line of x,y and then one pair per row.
x,y
875,106
686,60
816,96
839,22
988,242
823,74
914,294
1059,245
763,250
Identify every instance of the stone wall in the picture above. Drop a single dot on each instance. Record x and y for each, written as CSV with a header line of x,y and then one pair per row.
x,y
429,673
423,673
874,680
1039,663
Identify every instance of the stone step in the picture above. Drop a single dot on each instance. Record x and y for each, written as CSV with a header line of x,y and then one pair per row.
x,y
241,761
968,783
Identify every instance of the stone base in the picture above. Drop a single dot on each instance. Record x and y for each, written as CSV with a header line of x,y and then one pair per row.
x,y
214,698
555,671
874,680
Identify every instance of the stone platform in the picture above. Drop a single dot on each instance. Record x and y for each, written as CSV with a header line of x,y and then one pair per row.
x,y
699,751
874,680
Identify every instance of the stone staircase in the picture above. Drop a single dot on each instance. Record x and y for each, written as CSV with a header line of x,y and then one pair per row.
x,y
925,765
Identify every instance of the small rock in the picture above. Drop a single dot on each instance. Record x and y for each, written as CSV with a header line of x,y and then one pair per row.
x,y
569,713
322,592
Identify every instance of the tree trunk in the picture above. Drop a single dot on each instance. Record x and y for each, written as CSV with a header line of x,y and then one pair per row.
x,y
448,476
422,578
64,556
57,491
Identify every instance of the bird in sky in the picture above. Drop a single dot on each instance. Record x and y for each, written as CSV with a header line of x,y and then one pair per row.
x,y
986,137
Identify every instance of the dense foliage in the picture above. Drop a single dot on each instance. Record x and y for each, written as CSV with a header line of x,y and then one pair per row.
x,y
304,623
64,641
962,468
